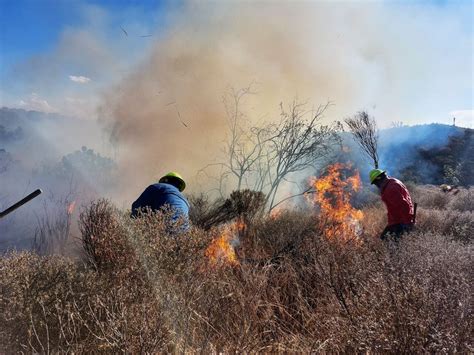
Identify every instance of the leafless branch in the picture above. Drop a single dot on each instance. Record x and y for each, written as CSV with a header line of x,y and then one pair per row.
x,y
260,157
365,133
295,143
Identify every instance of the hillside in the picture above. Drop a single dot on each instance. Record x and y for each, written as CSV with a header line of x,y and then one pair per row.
x,y
425,154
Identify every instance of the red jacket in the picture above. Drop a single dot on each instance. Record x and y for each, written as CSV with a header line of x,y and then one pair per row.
x,y
398,201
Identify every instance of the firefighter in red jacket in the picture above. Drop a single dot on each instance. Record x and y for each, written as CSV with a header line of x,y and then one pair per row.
x,y
400,209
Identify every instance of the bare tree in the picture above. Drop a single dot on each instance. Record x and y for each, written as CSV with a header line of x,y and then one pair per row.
x,y
261,157
365,133
245,147
293,144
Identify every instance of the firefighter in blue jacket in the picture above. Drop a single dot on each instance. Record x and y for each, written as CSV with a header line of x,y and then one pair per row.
x,y
167,192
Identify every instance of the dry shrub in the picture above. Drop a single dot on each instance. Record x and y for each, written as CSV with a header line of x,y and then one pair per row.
x,y
447,213
271,238
37,297
156,292
427,282
433,197
134,304
244,204
429,196
451,223
102,236
50,304
344,297
450,214
463,200
375,219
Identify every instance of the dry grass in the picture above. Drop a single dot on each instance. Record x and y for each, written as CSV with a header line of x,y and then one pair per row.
x,y
144,288
432,197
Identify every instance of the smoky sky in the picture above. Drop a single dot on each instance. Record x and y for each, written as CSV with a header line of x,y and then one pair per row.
x,y
168,114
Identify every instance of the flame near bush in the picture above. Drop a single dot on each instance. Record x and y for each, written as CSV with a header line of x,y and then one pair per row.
x,y
221,251
333,195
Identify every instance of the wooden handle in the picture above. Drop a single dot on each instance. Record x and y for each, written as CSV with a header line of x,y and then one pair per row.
x,y
21,202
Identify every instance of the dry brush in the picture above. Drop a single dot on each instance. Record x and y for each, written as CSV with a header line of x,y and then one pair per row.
x,y
144,288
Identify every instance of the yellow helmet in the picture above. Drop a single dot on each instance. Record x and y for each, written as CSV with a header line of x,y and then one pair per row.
x,y
374,174
175,178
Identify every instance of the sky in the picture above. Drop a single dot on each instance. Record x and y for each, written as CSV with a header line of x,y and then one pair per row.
x,y
56,53
70,56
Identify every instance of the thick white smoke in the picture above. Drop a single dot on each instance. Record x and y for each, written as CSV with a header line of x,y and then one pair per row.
x,y
168,113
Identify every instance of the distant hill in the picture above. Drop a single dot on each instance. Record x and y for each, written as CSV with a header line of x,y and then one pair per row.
x,y
10,117
17,124
32,136
427,154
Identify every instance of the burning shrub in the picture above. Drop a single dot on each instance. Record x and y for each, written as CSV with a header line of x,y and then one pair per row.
x,y
333,195
222,248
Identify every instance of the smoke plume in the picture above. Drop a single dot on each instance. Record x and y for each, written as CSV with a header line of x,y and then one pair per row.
x,y
168,114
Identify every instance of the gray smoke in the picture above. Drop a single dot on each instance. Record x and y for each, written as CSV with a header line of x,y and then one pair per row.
x,y
168,113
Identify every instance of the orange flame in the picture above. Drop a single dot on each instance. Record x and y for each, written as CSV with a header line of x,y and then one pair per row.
x,y
275,213
333,194
221,250
239,226
71,207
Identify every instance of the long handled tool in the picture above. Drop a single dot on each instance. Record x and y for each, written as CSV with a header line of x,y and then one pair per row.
x,y
20,203
415,206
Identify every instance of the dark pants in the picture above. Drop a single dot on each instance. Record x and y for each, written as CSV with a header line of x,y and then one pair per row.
x,y
395,231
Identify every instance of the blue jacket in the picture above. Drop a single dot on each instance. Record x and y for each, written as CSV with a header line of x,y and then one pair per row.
x,y
158,195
